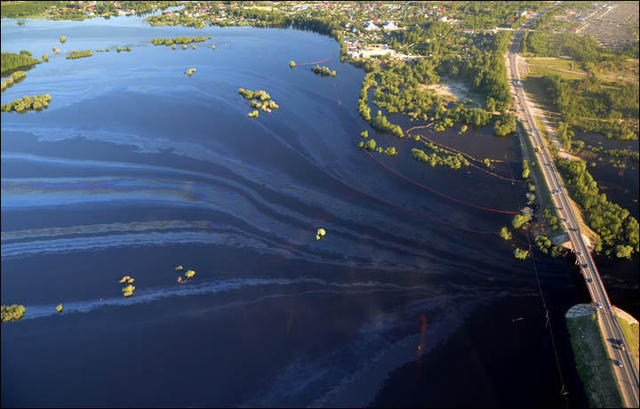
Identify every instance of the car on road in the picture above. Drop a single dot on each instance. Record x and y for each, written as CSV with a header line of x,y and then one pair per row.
x,y
617,363
589,280
598,305
584,265
560,208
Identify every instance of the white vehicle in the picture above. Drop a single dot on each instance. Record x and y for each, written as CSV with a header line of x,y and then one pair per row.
x,y
598,305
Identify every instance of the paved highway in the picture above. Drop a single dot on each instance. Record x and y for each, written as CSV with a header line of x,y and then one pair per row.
x,y
622,363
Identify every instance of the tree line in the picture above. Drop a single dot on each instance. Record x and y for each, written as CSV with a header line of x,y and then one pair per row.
x,y
10,62
178,40
616,228
79,54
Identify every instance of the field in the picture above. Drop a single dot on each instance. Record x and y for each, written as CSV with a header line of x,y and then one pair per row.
x,y
626,71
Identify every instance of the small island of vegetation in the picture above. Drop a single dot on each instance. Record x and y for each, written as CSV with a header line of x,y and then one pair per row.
x,y
27,103
520,254
79,54
505,233
320,70
188,275
128,289
177,40
260,99
12,312
14,78
451,161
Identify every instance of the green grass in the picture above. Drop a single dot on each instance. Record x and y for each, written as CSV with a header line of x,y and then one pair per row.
x,y
628,70
539,71
593,364
540,67
630,333
555,63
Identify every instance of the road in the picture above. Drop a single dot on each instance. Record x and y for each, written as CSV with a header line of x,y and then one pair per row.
x,y
621,362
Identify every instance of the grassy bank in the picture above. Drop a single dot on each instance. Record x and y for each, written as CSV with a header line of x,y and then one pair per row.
x,y
630,329
593,364
543,195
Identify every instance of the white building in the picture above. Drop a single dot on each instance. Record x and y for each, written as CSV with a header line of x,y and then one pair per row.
x,y
388,25
369,26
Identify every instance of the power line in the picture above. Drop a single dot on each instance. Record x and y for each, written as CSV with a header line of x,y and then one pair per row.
x,y
563,392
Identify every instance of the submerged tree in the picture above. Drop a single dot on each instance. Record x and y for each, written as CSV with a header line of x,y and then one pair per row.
x,y
505,233
12,312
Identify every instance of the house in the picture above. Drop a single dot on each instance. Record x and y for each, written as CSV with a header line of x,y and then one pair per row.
x,y
369,26
468,31
444,19
388,25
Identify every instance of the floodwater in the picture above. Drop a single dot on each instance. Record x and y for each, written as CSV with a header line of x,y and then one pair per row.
x,y
621,186
136,168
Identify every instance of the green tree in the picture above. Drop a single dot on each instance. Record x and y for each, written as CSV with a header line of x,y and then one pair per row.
x,y
505,233
520,220
623,251
520,254
525,169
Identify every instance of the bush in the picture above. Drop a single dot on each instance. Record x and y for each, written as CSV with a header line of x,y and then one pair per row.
x,y
525,169
505,233
520,254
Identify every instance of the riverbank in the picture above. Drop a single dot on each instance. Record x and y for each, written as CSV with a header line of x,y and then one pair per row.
x,y
592,361
629,326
